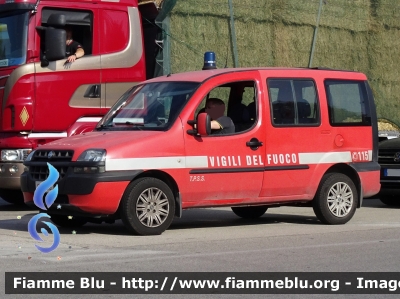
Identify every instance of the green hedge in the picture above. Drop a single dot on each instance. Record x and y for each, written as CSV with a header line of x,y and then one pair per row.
x,y
361,35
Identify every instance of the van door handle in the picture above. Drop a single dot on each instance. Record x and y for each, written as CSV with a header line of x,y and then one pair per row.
x,y
254,143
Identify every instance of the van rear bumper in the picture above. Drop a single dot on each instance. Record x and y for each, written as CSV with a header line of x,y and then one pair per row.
x,y
369,174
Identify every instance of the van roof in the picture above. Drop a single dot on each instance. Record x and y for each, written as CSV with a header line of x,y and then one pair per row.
x,y
199,76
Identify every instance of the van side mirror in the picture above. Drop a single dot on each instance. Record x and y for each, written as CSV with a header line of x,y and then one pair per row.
x,y
203,124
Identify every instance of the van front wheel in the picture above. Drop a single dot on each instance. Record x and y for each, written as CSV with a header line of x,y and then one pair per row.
x,y
148,207
336,199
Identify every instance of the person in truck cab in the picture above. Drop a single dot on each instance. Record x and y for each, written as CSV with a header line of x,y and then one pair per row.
x,y
220,124
74,49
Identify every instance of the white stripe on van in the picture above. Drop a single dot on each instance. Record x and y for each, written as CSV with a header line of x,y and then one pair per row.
x,y
370,155
177,162
321,158
196,161
157,163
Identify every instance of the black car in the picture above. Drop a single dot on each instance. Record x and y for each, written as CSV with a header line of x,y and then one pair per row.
x,y
389,159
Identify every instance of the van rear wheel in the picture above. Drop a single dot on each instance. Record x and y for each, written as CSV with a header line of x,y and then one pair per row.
x,y
148,207
250,212
336,199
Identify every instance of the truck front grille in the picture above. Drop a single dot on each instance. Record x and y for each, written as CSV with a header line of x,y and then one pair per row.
x,y
389,156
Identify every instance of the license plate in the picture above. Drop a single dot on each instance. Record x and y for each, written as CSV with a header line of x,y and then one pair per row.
x,y
37,183
391,172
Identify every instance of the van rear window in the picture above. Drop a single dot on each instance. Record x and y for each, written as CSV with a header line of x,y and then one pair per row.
x,y
348,103
294,102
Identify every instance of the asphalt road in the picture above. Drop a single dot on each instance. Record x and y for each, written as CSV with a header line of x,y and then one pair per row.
x,y
212,240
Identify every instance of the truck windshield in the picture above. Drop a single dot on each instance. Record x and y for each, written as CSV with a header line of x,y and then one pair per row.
x,y
13,39
153,106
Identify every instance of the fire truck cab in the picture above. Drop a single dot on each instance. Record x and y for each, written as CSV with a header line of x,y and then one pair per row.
x,y
303,137
44,98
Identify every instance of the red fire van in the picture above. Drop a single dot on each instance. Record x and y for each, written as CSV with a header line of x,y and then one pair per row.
x,y
302,137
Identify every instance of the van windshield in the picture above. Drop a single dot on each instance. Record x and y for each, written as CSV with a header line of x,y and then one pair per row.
x,y
13,39
153,106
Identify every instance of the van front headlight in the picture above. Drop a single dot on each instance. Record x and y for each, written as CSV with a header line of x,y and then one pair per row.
x,y
93,155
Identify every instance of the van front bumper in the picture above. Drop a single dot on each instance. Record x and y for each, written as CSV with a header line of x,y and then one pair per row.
x,y
98,193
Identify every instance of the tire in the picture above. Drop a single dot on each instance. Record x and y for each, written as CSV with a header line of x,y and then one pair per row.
x,y
250,212
390,200
12,196
148,207
336,199
64,221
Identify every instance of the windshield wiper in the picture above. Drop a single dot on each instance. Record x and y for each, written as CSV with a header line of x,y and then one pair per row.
x,y
134,124
118,124
103,126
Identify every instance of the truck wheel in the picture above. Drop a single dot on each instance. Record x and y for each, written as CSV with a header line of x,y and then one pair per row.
x,y
336,199
12,196
250,212
148,207
389,200
65,221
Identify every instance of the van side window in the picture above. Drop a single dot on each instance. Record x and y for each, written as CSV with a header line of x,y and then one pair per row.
x,y
240,103
348,103
293,102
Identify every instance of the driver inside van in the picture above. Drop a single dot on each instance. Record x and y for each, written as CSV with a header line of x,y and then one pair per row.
x,y
220,124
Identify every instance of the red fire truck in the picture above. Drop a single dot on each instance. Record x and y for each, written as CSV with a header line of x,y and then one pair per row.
x,y
301,137
42,98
